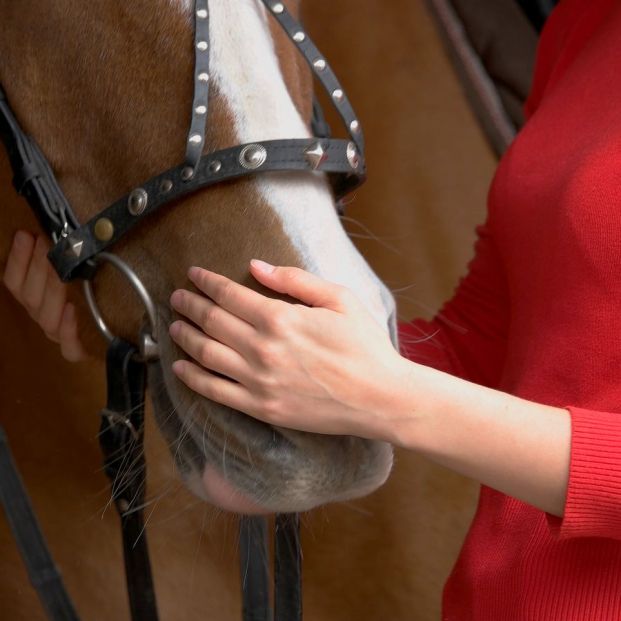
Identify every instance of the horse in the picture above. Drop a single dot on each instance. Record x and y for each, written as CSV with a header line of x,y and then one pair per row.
x,y
50,421
108,90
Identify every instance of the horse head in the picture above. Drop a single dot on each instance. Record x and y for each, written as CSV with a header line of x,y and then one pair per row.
x,y
105,89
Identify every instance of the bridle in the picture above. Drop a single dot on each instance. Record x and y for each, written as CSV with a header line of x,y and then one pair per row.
x,y
78,250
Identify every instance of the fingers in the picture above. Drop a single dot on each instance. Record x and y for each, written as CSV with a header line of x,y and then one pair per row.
x,y
214,388
33,289
18,262
209,353
213,320
235,298
302,285
70,345
35,285
27,271
52,307
32,281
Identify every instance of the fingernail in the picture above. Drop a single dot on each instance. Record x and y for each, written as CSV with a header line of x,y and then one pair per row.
x,y
194,272
178,366
175,298
262,266
174,328
22,239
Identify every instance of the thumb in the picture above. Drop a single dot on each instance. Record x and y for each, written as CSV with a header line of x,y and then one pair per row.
x,y
300,284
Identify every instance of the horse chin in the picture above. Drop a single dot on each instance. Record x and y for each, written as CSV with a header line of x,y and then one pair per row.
x,y
245,466
213,488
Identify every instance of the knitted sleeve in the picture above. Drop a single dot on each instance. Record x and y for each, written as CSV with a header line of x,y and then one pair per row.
x,y
467,337
593,503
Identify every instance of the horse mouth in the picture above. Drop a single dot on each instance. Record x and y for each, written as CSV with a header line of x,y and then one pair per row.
x,y
245,466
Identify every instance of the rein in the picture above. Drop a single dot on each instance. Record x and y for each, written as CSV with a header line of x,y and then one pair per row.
x,y
79,248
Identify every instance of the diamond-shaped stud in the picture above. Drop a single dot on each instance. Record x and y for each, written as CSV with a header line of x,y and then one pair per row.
x,y
74,247
315,155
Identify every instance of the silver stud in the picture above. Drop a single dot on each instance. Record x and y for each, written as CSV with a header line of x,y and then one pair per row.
x,y
252,156
203,77
319,64
201,13
215,166
337,95
200,109
278,7
166,186
201,46
354,126
75,247
195,139
187,173
315,155
137,201
299,36
352,156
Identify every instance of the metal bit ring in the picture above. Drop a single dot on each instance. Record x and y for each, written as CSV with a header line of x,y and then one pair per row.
x,y
148,337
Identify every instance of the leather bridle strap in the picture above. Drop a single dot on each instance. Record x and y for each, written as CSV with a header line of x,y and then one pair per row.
x,y
287,568
121,440
322,70
254,569
42,571
33,178
342,160
200,101
79,246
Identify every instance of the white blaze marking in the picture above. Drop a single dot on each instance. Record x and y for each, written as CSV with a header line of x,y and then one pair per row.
x,y
246,72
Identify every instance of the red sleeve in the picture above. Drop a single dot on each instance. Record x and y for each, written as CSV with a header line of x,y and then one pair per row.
x,y
593,504
467,337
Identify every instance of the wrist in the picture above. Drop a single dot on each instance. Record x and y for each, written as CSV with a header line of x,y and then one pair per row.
x,y
401,403
510,444
424,397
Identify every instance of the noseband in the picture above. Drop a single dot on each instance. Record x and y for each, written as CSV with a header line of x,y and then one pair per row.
x,y
80,248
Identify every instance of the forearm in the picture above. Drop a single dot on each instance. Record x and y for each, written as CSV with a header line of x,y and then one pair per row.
x,y
512,445
331,368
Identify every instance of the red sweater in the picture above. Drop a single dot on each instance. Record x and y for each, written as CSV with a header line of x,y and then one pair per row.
x,y
539,316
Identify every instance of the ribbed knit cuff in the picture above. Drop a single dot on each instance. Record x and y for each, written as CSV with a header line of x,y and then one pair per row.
x,y
593,505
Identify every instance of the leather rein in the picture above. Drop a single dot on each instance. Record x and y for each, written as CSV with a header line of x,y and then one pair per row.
x,y
78,250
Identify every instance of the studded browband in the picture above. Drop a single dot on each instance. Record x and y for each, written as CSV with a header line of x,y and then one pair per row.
x,y
77,245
